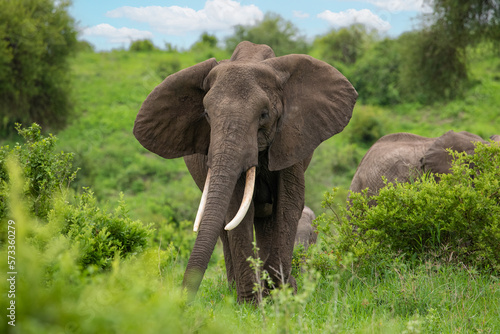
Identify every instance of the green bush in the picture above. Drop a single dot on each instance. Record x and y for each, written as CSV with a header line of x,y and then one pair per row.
x,y
432,67
102,235
46,173
456,220
99,235
366,127
142,45
281,35
345,45
376,74
36,39
179,236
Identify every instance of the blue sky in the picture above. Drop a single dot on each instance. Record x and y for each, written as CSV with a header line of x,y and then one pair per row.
x,y
109,24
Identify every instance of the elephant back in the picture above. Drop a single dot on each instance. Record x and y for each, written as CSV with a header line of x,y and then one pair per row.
x,y
395,156
438,160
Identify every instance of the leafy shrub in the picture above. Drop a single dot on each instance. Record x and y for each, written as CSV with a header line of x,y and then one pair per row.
x,y
177,235
376,74
45,172
142,45
432,67
345,45
455,220
281,35
36,39
366,127
165,68
100,235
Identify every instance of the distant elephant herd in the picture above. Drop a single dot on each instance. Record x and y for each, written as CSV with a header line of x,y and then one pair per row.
x,y
247,128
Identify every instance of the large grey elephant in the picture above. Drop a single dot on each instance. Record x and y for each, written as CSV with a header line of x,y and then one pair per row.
x,y
306,231
405,156
247,128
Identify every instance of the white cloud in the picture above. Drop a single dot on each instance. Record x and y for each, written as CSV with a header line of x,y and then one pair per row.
x,y
116,35
352,16
395,6
299,14
175,20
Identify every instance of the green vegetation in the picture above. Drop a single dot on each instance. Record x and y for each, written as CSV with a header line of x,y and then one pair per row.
x,y
103,233
36,38
454,221
278,33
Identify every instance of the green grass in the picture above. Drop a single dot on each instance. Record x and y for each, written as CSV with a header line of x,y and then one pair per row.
x,y
142,293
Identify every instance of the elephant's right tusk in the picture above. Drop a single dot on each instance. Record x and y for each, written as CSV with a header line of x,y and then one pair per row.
x,y
203,202
245,203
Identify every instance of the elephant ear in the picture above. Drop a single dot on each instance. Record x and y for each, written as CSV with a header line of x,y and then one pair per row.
x,y
317,101
171,121
438,160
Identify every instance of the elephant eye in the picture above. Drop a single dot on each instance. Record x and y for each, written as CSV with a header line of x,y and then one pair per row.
x,y
264,115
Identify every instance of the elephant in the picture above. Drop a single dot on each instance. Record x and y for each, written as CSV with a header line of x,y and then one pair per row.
x,y
247,128
406,156
306,231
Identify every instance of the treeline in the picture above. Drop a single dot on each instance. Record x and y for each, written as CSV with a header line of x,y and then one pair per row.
x,y
424,66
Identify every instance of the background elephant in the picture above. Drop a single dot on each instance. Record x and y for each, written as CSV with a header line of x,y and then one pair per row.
x,y
255,118
403,156
306,231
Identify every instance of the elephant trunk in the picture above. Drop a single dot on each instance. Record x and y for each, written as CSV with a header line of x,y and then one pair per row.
x,y
221,184
217,203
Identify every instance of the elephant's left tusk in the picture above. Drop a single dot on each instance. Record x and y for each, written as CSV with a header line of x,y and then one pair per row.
x,y
245,203
203,202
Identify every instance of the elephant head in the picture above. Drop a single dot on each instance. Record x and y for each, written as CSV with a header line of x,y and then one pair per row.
x,y
438,160
253,110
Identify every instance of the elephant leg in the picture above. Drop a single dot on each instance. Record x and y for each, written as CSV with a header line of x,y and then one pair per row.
x,y
228,258
276,238
239,247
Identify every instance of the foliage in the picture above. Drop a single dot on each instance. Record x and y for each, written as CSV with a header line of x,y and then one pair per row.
x,y
432,67
179,236
206,47
376,74
36,39
281,35
467,22
366,128
345,45
99,235
142,45
463,226
85,46
46,173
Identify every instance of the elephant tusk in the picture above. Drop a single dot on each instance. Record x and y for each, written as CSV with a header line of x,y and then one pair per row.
x,y
203,202
245,203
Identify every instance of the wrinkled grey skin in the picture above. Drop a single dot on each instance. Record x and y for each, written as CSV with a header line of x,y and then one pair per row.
x,y
306,231
254,109
405,156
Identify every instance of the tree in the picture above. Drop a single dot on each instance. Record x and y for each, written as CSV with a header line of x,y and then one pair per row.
x,y
434,59
376,73
36,38
142,45
468,21
281,35
345,45
432,68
